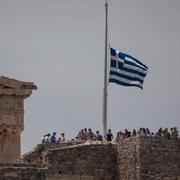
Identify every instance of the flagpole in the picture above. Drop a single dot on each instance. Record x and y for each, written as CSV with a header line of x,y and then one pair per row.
x,y
105,74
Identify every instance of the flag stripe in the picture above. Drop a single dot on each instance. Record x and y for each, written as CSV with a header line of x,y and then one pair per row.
x,y
123,83
134,68
131,62
135,60
127,73
128,68
130,78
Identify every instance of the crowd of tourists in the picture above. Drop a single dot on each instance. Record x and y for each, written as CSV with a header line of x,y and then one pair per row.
x,y
88,135
145,132
48,138
82,136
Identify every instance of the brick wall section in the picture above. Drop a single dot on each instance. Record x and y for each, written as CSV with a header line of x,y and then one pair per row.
x,y
159,159
21,172
128,159
97,161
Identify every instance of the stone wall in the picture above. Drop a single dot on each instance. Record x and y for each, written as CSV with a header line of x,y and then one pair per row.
x,y
138,158
97,162
159,159
68,177
21,172
39,155
128,159
149,158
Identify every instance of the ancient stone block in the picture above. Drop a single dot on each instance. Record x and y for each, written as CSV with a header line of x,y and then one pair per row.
x,y
12,95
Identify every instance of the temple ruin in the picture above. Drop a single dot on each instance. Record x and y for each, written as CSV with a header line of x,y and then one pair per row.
x,y
12,95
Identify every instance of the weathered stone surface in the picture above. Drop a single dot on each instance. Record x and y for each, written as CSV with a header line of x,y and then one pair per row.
x,y
14,87
39,155
97,161
12,95
21,172
149,158
139,158
128,159
68,177
159,158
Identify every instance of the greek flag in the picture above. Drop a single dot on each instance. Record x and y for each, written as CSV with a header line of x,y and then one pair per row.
x,y
126,70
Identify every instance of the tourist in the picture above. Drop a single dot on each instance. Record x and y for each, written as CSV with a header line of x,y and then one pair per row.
x,y
127,133
134,133
58,140
160,132
120,136
46,139
174,133
63,139
43,139
98,136
53,138
90,134
148,133
81,136
142,132
166,133
86,134
109,136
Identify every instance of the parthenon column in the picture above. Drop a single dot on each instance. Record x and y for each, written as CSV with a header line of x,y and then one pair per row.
x,y
12,95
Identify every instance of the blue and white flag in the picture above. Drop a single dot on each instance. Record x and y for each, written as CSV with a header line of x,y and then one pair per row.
x,y
126,70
